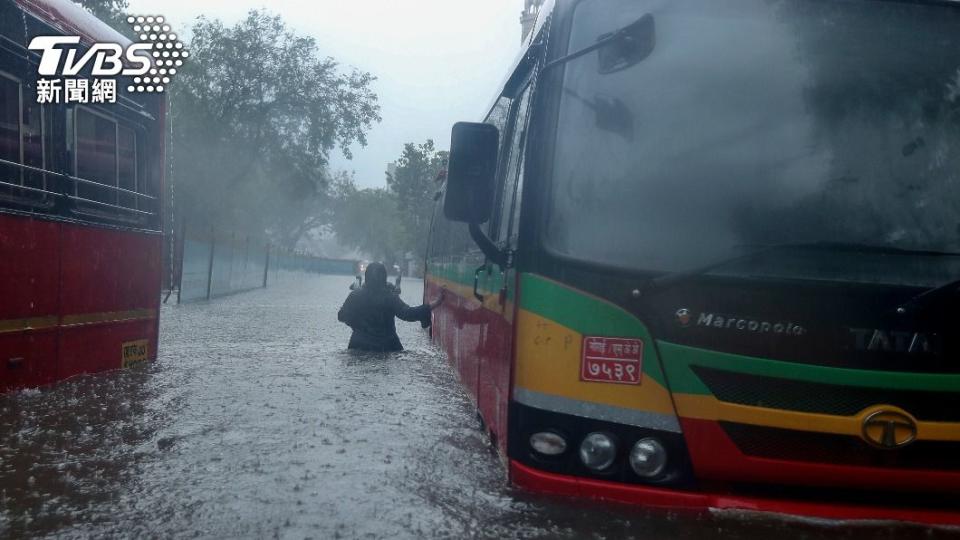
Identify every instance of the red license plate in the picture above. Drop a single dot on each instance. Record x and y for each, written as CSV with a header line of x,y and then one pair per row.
x,y
611,360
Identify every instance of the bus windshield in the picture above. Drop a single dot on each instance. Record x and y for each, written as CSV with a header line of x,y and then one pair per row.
x,y
756,123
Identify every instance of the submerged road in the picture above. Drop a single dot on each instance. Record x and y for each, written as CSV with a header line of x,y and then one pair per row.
x,y
256,422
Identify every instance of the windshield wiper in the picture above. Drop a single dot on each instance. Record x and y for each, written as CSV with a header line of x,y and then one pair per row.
x,y
619,49
928,297
667,281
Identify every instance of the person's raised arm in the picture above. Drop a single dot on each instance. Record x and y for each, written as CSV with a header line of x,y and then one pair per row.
x,y
419,313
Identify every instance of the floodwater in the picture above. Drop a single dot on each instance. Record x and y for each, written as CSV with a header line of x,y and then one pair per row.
x,y
256,422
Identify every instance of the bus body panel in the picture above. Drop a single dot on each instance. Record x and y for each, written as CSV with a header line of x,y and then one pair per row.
x,y
109,281
747,443
31,266
496,356
477,338
96,347
28,313
654,497
109,271
455,322
78,294
553,322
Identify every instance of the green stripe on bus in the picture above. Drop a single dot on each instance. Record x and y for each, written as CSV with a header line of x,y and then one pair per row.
x,y
586,314
452,272
678,358
463,275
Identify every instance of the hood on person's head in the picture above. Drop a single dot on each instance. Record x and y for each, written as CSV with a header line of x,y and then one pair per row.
x,y
376,276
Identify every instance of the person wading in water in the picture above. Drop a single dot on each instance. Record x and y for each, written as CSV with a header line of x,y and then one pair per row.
x,y
370,312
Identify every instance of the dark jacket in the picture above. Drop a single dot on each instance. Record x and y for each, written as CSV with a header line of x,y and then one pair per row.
x,y
370,312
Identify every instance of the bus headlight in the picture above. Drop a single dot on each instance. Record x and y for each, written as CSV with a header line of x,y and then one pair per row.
x,y
648,458
548,443
597,451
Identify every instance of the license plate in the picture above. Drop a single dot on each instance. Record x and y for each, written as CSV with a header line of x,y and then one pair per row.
x,y
134,352
611,360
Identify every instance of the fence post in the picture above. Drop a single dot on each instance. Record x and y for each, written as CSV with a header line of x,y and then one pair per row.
x,y
266,267
179,264
232,252
246,260
213,247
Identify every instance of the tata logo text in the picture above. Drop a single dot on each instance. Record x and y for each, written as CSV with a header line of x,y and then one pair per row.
x,y
872,340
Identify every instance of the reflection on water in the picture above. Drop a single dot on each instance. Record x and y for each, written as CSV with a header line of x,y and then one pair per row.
x,y
256,422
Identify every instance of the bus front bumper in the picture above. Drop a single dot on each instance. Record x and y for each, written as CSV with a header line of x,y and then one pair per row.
x,y
544,482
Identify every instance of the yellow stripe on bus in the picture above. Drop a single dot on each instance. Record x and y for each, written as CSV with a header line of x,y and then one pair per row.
x,y
33,323
548,362
710,408
46,323
107,317
491,301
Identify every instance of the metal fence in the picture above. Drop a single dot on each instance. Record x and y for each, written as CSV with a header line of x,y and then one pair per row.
x,y
212,264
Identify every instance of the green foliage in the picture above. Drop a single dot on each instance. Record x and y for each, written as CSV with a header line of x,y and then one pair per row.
x,y
256,112
368,220
112,12
414,183
388,224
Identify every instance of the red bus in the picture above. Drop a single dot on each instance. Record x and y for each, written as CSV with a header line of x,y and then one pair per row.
x,y
706,254
80,212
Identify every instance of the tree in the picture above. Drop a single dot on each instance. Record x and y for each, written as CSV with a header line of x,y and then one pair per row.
x,y
368,220
414,184
112,12
256,112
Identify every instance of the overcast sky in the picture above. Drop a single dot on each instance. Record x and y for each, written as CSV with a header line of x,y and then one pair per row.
x,y
437,61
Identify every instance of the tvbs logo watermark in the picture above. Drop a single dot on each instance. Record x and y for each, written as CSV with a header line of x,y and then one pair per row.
x,y
148,65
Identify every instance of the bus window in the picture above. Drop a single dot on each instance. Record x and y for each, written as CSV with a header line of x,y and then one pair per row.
x,y
34,147
459,241
518,197
96,157
760,124
9,129
500,117
21,143
107,155
511,168
127,161
436,247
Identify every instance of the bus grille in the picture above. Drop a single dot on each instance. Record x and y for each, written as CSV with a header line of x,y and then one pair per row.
x,y
823,398
790,445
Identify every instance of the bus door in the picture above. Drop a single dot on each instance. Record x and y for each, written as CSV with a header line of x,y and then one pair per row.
x,y
498,284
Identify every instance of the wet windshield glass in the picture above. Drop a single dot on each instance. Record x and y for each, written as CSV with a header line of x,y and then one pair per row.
x,y
757,122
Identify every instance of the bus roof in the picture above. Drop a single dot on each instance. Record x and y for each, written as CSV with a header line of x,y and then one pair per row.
x,y
73,20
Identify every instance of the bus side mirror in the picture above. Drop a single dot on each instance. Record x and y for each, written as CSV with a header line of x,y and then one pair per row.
x,y
471,172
